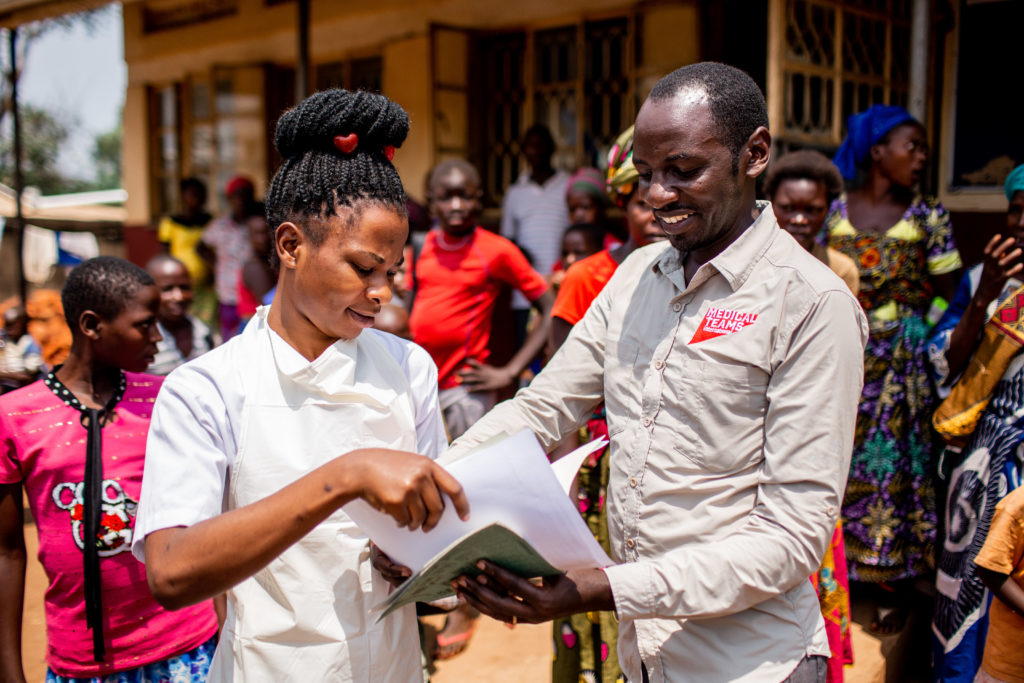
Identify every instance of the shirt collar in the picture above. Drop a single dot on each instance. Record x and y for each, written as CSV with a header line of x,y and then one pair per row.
x,y
736,261
64,394
332,373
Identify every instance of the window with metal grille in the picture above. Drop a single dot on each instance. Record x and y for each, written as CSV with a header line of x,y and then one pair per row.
x,y
830,59
579,80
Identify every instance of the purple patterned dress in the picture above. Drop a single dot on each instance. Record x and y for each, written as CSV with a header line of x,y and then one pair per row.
x,y
889,517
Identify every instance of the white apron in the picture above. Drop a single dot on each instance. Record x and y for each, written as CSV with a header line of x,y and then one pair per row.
x,y
304,617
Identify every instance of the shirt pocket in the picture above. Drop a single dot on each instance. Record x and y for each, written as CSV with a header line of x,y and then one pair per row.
x,y
724,409
622,384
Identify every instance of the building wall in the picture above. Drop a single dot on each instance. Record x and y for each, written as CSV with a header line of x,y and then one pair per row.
x,y
399,31
407,80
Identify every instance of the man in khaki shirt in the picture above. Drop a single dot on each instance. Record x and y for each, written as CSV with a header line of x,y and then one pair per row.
x,y
730,363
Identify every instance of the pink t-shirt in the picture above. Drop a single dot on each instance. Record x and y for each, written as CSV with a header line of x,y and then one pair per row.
x,y
42,445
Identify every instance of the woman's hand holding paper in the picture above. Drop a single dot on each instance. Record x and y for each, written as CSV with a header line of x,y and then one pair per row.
x,y
406,486
393,573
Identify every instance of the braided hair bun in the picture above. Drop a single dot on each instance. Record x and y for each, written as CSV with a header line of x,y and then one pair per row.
x,y
320,175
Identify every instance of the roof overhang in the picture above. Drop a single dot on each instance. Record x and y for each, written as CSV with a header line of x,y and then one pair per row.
x,y
83,207
17,12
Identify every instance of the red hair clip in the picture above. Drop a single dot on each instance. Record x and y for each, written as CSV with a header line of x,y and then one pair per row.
x,y
346,144
389,152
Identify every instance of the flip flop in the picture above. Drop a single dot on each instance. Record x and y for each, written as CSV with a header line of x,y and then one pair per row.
x,y
444,642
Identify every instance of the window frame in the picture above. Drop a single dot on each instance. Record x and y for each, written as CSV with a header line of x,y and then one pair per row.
x,y
987,198
780,65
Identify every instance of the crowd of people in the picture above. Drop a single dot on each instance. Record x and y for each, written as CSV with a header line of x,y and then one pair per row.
x,y
800,400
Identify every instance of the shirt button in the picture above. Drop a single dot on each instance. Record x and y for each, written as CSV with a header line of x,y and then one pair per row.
x,y
659,364
646,421
633,482
677,307
630,543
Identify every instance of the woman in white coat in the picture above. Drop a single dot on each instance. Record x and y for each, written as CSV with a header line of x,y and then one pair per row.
x,y
255,446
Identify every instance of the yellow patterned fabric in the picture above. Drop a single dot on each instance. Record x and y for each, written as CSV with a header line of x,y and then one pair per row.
x,y
1002,339
907,231
946,263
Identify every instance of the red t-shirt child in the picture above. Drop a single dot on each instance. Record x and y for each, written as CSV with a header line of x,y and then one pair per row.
x,y
458,281
43,446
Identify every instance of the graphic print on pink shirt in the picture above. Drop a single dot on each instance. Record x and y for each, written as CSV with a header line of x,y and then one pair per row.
x,y
116,520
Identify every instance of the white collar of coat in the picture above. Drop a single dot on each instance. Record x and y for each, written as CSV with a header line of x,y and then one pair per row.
x,y
332,374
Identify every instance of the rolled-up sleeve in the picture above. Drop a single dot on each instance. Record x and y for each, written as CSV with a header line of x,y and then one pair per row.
x,y
812,398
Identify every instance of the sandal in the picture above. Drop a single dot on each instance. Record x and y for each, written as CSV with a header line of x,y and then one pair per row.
x,y
449,646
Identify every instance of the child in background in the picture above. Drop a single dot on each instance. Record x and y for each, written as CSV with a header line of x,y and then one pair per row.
x,y
459,275
256,278
184,336
585,197
75,442
1001,566
256,446
578,242
461,270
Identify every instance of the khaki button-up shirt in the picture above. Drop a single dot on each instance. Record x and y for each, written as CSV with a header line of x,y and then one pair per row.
x,y
731,403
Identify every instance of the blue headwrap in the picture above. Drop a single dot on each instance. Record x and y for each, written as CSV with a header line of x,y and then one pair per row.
x,y
865,130
1014,182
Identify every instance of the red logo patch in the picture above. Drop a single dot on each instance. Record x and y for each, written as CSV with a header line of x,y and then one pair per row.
x,y
718,322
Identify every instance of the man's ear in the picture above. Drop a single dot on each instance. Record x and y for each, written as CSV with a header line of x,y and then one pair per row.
x,y
90,324
288,242
758,152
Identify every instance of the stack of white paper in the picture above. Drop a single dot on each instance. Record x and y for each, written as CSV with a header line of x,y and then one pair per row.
x,y
508,481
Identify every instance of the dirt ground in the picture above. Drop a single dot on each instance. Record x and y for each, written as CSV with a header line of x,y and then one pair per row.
x,y
524,654
498,654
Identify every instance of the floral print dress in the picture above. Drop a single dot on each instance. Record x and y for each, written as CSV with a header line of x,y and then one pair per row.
x,y
586,643
889,515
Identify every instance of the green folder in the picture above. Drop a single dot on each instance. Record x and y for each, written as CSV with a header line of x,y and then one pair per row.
x,y
496,543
